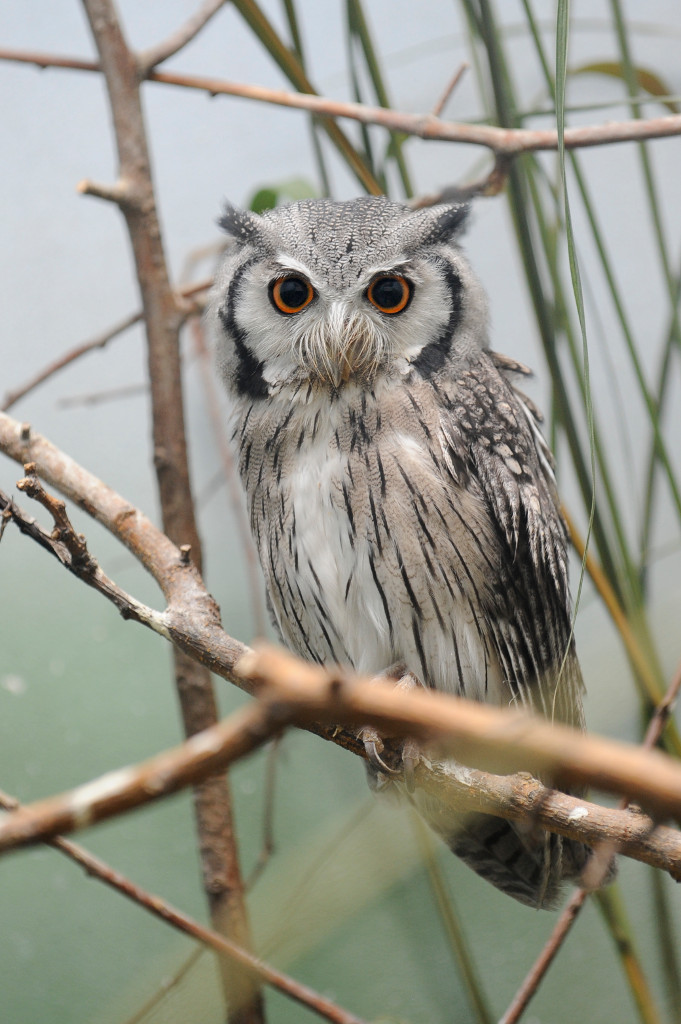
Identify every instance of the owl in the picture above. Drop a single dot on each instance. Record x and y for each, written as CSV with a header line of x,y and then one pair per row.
x,y
400,493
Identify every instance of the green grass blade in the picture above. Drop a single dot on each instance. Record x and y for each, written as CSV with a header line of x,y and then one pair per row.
x,y
450,922
611,906
315,127
631,76
290,65
360,28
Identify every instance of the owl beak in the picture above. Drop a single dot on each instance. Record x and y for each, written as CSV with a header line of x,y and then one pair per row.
x,y
343,346
352,342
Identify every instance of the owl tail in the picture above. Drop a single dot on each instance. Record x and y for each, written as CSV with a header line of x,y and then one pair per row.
x,y
529,865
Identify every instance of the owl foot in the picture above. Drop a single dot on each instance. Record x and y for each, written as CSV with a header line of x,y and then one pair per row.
x,y
390,761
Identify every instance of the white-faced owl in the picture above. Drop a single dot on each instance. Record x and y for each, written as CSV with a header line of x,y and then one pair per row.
x,y
400,493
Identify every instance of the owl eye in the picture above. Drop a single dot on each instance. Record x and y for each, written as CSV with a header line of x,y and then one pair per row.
x,y
291,294
389,293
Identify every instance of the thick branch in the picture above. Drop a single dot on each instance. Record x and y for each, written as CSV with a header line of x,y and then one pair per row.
x,y
455,787
134,193
501,739
498,739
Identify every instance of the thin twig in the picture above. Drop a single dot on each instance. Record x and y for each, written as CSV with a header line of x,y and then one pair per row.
x,y
504,141
449,89
99,341
69,357
545,958
63,530
67,550
156,905
155,55
100,397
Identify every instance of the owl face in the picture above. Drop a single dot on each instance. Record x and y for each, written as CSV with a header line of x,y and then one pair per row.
x,y
342,293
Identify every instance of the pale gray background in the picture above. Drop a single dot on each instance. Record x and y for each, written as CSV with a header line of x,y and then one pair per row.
x,y
82,692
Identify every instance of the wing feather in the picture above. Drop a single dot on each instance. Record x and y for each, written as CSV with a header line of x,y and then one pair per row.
x,y
510,465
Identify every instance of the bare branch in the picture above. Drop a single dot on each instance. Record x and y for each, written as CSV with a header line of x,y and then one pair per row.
x,y
119,192
97,868
186,300
107,395
71,356
63,530
505,141
500,739
82,565
149,59
449,89
502,141
453,786
163,318
203,755
145,541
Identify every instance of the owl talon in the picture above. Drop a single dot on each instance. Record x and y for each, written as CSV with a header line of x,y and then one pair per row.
x,y
404,758
374,747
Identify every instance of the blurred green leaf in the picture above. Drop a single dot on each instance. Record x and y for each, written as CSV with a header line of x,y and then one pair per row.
x,y
646,79
269,196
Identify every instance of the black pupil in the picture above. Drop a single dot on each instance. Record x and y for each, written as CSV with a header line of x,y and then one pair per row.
x,y
388,292
293,292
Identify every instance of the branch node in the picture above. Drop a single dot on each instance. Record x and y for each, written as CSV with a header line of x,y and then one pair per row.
x,y
63,530
185,553
25,433
119,193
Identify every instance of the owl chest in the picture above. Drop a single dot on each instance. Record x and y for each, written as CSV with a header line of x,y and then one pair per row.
x,y
308,515
329,555
364,555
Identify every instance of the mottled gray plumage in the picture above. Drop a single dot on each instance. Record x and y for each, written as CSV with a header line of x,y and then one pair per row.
x,y
400,493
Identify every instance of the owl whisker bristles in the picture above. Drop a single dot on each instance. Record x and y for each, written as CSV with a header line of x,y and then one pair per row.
x,y
341,347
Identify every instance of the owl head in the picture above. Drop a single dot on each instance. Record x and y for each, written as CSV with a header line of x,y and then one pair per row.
x,y
343,294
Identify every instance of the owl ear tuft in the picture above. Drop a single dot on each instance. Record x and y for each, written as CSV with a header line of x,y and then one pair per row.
x,y
444,223
241,225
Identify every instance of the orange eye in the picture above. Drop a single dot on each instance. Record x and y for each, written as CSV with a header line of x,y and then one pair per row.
x,y
291,294
389,293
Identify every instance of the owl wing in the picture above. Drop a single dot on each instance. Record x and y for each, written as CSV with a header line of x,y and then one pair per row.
x,y
509,465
